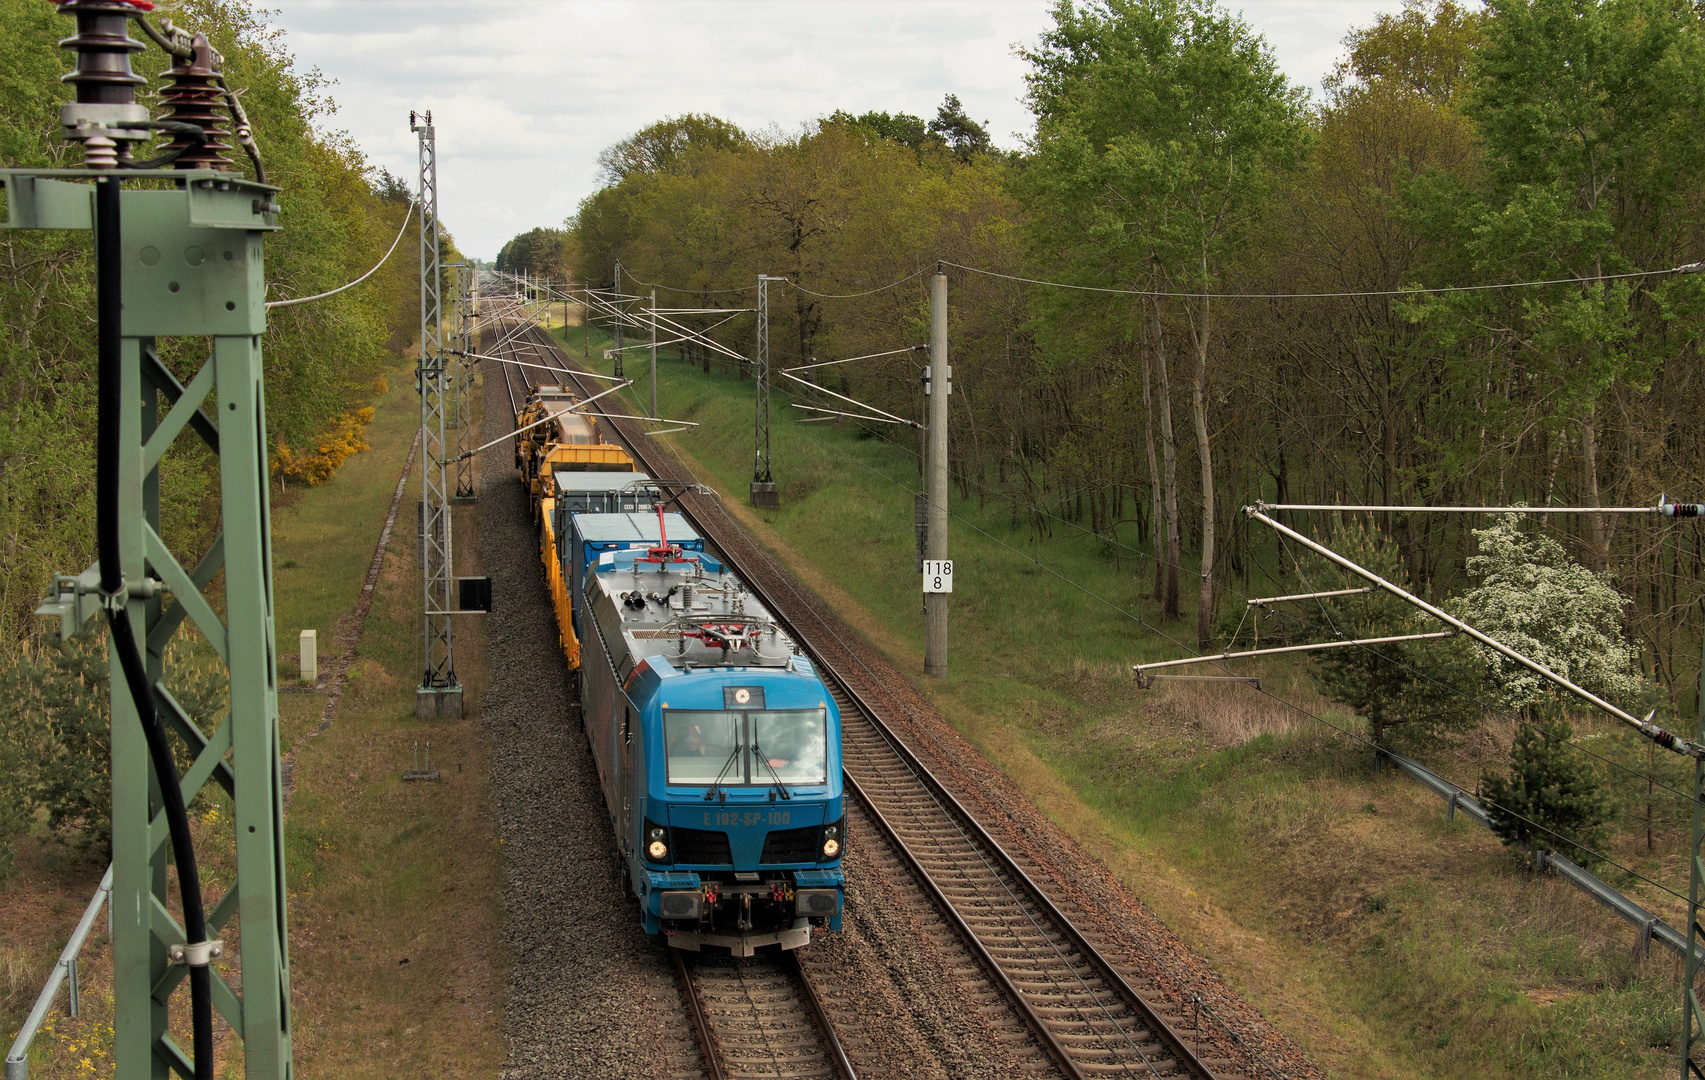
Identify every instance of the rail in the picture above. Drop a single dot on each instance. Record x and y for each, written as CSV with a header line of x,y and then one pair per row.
x,y
804,1046
835,1061
64,972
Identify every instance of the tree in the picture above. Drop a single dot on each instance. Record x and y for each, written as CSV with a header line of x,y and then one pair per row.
x,y
1413,694
963,135
903,128
1422,50
545,253
1549,800
667,146
1589,117
1163,129
1535,599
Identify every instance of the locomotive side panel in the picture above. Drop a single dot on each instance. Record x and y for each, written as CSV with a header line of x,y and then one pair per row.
x,y
598,702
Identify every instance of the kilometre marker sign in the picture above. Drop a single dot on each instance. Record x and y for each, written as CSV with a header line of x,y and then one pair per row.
x,y
938,575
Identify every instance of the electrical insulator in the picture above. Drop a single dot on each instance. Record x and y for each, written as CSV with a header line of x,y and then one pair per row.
x,y
106,87
193,96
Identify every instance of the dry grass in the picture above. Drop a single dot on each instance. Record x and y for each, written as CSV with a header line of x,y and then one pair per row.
x,y
1224,714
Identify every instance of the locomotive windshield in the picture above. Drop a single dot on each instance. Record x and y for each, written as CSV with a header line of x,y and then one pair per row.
x,y
700,744
794,745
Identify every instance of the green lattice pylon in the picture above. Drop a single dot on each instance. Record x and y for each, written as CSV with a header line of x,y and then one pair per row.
x,y
192,266
1692,1018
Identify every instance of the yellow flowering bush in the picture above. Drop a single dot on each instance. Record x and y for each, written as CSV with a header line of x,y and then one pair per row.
x,y
344,438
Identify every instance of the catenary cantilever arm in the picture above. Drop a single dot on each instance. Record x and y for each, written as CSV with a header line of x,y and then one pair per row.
x,y
1665,739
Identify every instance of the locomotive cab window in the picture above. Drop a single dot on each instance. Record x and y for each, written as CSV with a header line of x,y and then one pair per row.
x,y
790,747
747,748
700,745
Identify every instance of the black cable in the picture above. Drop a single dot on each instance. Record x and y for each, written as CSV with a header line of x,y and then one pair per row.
x,y
110,375
176,127
245,134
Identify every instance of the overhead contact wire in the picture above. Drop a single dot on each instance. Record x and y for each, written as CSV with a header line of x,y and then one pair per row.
x,y
1232,588
1685,268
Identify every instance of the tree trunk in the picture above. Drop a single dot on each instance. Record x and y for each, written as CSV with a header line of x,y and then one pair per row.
x,y
1205,458
1158,537
1589,465
1169,459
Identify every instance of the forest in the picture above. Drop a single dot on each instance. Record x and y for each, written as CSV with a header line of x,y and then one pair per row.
x,y
1459,276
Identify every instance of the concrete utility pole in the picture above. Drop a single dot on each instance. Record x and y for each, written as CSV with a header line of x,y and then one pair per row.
x,y
654,354
939,386
586,321
763,484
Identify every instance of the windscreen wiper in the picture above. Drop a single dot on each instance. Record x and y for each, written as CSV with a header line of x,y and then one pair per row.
x,y
715,789
779,786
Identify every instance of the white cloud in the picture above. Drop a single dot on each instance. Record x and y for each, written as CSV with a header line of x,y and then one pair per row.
x,y
525,93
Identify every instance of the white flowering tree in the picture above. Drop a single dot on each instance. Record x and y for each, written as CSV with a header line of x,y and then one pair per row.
x,y
1539,602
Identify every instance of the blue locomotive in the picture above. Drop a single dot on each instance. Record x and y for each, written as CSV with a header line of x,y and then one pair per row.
x,y
717,744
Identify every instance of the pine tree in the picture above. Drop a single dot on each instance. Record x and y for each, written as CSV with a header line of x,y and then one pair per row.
x,y
1413,694
1550,801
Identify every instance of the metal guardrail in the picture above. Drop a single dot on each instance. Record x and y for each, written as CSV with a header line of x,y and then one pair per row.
x,y
64,972
1651,927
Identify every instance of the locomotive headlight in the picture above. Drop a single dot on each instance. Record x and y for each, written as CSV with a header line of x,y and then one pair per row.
x,y
656,839
831,847
832,837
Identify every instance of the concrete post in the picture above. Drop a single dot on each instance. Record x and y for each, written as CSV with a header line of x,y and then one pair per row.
x,y
309,656
935,604
654,354
620,312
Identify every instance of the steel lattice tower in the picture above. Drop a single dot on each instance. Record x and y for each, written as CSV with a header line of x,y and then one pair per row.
x,y
1692,1014
466,283
439,694
763,484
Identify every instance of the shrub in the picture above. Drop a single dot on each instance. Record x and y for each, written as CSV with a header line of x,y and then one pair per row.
x,y
1413,694
1549,801
345,438
56,736
1535,599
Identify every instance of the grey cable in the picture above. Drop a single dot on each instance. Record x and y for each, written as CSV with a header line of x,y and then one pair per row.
x,y
270,304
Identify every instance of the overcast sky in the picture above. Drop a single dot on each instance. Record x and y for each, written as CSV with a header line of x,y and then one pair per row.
x,y
525,93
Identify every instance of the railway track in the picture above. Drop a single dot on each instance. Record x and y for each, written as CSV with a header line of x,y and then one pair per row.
x,y
748,1016
757,1017
1083,1014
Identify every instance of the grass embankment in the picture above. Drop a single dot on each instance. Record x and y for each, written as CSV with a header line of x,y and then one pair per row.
x,y
397,962
1387,942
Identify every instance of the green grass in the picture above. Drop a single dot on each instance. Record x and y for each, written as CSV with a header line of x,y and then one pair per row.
x,y
409,872
323,537
1388,943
